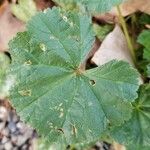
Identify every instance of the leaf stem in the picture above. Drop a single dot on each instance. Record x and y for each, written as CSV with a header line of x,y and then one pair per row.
x,y
129,41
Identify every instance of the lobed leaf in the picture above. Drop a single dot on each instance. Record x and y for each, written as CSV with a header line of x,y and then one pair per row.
x,y
144,39
64,103
92,6
135,132
4,63
148,70
68,4
102,31
100,6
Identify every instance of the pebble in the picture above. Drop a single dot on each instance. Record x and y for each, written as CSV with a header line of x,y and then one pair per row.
x,y
5,132
102,146
14,139
1,147
4,140
3,113
14,134
21,126
2,125
12,127
21,140
8,146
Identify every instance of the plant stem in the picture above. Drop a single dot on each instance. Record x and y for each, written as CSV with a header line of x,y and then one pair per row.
x,y
129,42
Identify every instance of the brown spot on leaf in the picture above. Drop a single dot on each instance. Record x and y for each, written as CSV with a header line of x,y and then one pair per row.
x,y
60,130
74,130
92,82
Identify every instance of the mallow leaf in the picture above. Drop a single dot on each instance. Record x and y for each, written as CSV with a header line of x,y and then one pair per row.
x,y
144,19
102,31
144,39
4,63
63,102
68,4
92,6
99,6
136,131
148,70
137,147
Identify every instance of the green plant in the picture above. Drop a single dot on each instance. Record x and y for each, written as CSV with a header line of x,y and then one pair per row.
x,y
54,93
4,63
24,10
94,6
144,39
57,95
102,31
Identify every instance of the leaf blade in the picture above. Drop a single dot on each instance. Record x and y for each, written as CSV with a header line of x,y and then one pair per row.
x,y
53,95
135,131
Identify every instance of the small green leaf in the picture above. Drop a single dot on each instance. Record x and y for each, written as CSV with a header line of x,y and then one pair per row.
x,y
92,6
24,10
99,6
146,54
102,31
144,39
68,4
136,131
148,70
144,19
4,62
64,103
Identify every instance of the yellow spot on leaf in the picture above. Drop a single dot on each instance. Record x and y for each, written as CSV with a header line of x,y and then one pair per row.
x,y
71,24
28,62
25,92
61,109
61,115
43,47
65,18
52,37
60,104
74,130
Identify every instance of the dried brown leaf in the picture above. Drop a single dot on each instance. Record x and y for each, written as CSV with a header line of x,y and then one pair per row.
x,y
114,46
132,6
9,26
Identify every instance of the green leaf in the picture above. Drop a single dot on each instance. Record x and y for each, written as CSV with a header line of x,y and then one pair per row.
x,y
144,19
64,103
136,131
68,4
4,62
146,54
144,39
137,147
99,6
24,10
102,31
94,6
43,144
148,70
